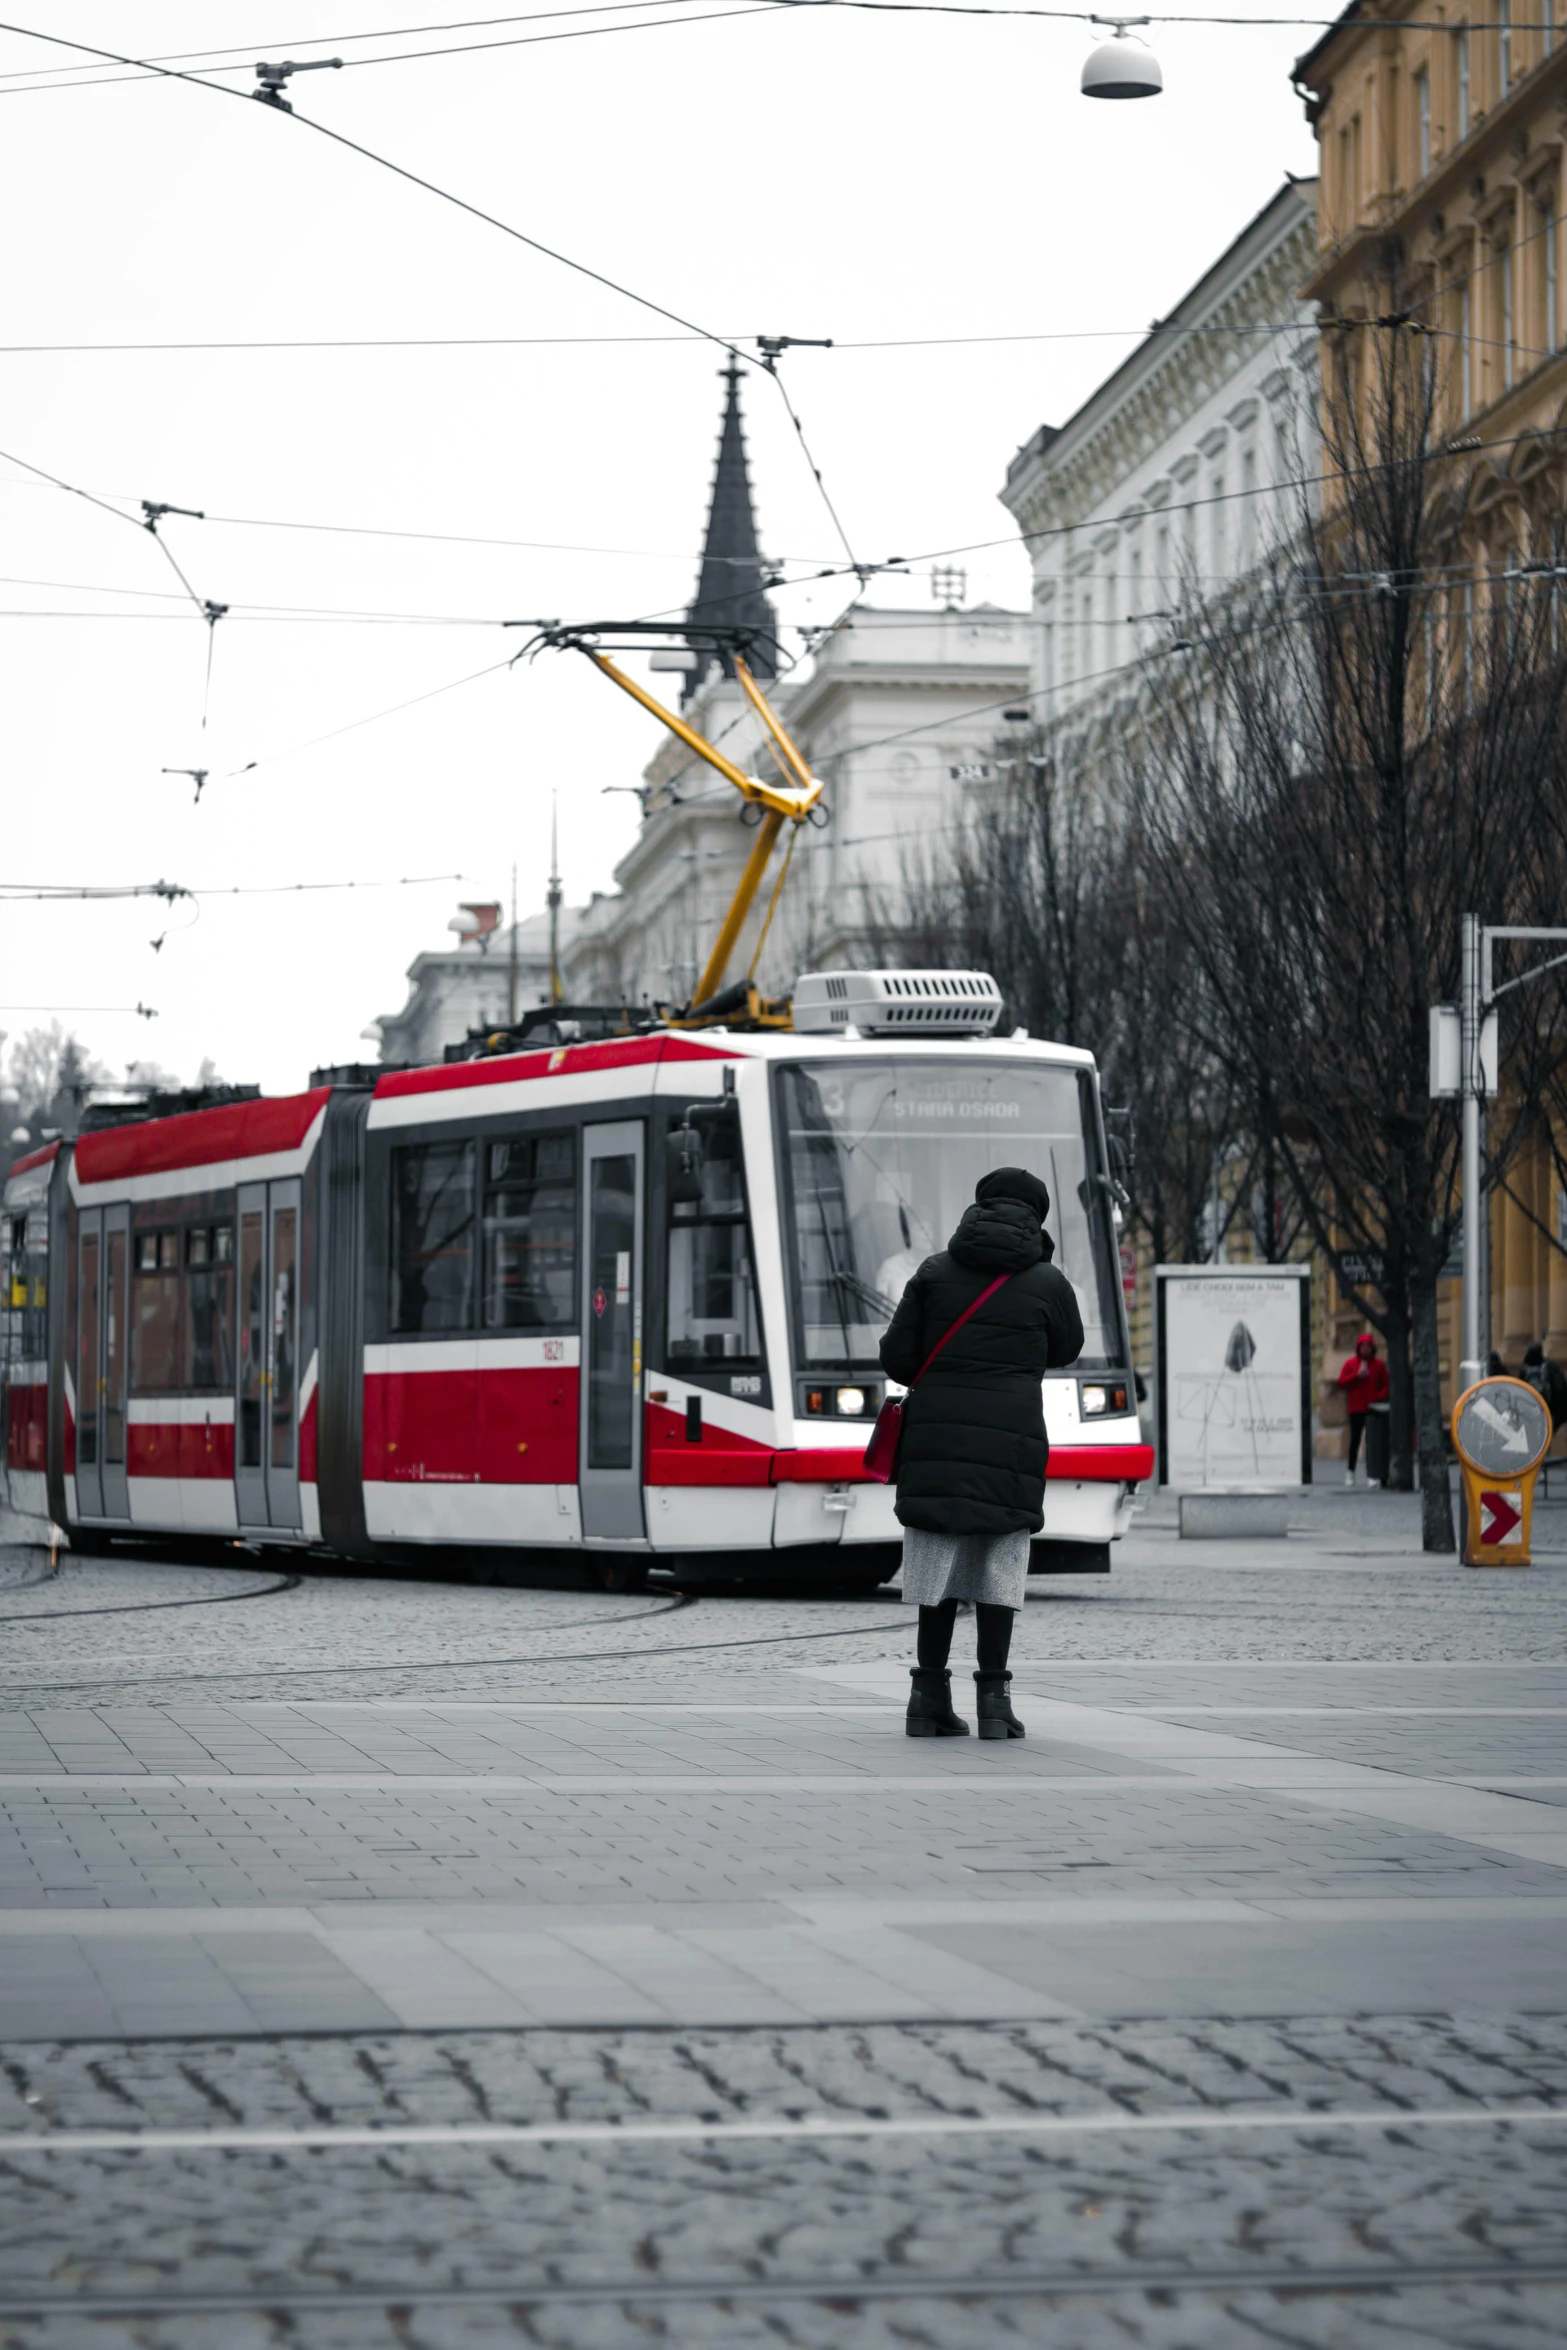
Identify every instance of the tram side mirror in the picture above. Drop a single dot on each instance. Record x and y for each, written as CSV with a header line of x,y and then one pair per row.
x,y
683,1165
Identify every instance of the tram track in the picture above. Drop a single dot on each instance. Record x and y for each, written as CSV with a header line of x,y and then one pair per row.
x,y
144,1607
1290,2283
275,1674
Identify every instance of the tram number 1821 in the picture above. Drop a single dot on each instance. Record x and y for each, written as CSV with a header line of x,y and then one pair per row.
x,y
621,1293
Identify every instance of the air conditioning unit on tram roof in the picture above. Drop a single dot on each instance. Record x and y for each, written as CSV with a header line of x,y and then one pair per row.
x,y
897,1003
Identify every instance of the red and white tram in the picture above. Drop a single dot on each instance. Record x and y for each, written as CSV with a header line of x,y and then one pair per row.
x,y
618,1294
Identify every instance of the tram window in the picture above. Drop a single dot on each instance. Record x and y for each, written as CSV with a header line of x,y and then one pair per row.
x,y
530,1233
155,1312
711,1286
209,1306
28,1289
432,1236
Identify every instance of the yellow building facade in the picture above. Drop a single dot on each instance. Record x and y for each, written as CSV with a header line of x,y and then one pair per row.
x,y
1442,191
1442,174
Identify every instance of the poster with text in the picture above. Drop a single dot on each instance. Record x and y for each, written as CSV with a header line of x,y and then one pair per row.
x,y
1233,1391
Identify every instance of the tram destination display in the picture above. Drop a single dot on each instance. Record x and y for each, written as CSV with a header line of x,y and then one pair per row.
x,y
1234,1384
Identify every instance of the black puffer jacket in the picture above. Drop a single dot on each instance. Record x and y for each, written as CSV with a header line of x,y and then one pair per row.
x,y
974,1444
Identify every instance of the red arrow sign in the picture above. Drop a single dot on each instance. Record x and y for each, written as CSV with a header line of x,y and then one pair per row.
x,y
1501,1517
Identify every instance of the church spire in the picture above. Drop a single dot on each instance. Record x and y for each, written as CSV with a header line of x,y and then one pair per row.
x,y
729,592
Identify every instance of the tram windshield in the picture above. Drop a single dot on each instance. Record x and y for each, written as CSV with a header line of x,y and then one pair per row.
x,y
882,1157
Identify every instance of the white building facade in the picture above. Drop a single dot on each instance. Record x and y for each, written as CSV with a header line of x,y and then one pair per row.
x,y
1179,473
471,984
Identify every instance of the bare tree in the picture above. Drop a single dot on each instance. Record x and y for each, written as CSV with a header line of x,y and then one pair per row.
x,y
1358,747
1050,890
49,1067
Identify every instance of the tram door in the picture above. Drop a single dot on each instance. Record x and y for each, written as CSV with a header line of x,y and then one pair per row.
x,y
266,1399
103,1246
610,1456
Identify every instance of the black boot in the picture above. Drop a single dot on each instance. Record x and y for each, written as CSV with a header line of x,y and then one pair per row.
x,y
996,1718
930,1707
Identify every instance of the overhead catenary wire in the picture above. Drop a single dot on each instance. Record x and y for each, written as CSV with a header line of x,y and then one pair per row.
x,y
144,69
83,79
247,50
445,195
372,718
403,172
48,893
1547,226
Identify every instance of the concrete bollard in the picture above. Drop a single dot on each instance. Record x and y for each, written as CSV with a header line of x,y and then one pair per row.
x,y
1209,1516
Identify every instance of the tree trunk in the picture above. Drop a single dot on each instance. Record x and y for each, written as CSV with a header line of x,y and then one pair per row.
x,y
1403,1409
1436,1507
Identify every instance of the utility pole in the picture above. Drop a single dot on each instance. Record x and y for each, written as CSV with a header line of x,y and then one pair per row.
x,y
511,972
1472,1367
1477,1077
557,992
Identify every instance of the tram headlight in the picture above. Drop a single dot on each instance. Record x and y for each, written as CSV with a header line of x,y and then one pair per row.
x,y
1097,1400
859,1402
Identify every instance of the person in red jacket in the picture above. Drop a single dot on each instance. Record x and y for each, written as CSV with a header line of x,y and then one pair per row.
x,y
1364,1381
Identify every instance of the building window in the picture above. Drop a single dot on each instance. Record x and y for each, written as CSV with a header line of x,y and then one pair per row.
x,y
1047,640
530,1233
1465,384
1423,119
1468,623
432,1237
1504,47
1462,40
155,1313
1134,586
1548,235
1504,274
1162,558
209,1306
1248,504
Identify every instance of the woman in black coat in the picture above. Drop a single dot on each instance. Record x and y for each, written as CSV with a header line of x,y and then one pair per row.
x,y
971,1467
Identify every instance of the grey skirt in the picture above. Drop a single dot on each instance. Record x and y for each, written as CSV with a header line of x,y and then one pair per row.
x,y
988,1567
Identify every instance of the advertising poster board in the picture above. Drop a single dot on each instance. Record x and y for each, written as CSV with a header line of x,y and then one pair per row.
x,y
1233,1352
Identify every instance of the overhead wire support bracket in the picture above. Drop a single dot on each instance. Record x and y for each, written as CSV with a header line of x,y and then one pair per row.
x,y
271,80
154,509
773,346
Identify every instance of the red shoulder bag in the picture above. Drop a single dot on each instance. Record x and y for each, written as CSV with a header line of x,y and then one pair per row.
x,y
881,1454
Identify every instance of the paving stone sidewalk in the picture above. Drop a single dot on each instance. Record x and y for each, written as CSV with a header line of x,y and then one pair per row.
x,y
1258,1934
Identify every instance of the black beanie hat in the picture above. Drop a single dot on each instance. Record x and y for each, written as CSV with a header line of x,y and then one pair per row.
x,y
1015,1183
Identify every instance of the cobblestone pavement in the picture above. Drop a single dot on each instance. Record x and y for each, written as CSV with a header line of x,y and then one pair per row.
x,y
387,1960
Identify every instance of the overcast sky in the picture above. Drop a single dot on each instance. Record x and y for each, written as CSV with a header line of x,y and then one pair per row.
x,y
774,170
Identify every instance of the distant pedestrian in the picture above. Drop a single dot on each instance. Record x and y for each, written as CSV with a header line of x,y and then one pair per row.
x,y
1365,1384
1548,1380
971,1468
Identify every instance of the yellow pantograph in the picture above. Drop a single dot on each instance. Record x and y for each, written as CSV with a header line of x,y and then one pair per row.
x,y
783,804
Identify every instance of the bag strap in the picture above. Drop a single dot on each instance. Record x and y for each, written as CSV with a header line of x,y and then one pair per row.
x,y
967,1315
